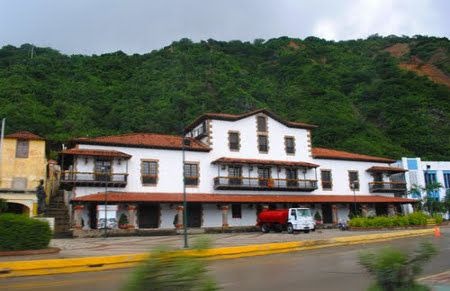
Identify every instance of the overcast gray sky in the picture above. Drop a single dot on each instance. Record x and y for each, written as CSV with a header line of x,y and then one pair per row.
x,y
139,26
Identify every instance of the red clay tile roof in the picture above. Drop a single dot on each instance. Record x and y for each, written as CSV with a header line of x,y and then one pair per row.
x,y
231,117
145,140
24,135
386,169
214,198
98,153
321,153
264,162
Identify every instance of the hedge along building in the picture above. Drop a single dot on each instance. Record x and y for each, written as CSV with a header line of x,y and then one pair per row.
x,y
23,165
235,166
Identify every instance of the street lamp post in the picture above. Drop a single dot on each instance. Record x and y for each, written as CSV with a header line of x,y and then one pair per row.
x,y
184,194
106,203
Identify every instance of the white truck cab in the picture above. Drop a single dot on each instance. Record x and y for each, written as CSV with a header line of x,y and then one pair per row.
x,y
300,219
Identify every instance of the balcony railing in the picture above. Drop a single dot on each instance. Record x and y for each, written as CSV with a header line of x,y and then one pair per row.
x,y
94,179
253,183
387,186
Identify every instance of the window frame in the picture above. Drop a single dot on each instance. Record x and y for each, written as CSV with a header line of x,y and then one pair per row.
x,y
232,178
258,128
156,176
350,180
446,180
264,181
330,182
291,182
266,145
197,178
22,149
230,133
286,147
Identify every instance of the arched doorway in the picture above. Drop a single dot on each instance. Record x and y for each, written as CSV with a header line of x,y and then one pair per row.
x,y
17,208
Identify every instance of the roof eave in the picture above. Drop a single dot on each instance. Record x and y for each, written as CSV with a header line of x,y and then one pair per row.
x,y
141,146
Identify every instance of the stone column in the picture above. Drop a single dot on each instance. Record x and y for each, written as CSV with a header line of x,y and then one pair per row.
x,y
77,216
391,209
180,217
224,215
364,211
334,211
131,216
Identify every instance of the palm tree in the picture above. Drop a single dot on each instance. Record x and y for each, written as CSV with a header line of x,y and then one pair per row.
x,y
431,204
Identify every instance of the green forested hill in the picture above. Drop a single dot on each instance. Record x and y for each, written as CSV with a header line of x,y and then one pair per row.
x,y
359,92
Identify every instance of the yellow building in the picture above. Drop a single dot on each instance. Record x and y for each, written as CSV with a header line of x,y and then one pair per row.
x,y
23,165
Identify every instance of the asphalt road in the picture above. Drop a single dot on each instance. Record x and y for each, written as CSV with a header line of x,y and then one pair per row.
x,y
333,268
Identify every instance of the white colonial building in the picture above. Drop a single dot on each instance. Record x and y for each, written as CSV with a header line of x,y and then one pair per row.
x,y
235,166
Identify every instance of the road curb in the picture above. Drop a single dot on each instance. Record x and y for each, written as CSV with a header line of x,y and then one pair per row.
x,y
89,264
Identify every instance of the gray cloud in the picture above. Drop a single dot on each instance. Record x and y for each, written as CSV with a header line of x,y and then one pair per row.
x,y
94,27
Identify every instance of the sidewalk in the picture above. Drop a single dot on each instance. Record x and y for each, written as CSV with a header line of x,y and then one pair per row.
x,y
95,247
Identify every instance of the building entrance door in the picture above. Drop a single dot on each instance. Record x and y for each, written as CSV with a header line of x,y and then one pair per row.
x,y
194,214
326,213
149,215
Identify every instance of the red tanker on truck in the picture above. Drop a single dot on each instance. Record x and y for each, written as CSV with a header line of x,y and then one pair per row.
x,y
290,219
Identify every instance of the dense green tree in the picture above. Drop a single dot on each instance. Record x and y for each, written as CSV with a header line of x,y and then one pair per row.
x,y
357,94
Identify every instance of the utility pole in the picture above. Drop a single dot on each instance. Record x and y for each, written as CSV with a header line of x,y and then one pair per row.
x,y
184,192
1,147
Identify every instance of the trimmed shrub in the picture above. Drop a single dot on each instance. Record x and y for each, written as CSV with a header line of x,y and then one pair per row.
x,y
416,218
19,232
438,218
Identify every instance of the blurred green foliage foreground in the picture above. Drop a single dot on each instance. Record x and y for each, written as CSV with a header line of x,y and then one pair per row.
x,y
396,270
166,270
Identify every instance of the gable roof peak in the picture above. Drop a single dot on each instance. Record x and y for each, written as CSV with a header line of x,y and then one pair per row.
x,y
231,117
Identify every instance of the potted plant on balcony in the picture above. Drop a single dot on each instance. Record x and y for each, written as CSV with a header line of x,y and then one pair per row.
x,y
123,221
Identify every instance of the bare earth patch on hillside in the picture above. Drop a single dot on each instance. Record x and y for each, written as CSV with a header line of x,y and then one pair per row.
x,y
398,50
293,45
429,70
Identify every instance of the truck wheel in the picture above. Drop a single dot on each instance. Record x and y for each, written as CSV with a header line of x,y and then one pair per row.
x,y
314,229
278,228
290,228
307,231
265,228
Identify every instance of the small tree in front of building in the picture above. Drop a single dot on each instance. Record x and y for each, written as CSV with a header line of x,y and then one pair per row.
x,y
430,203
317,216
123,221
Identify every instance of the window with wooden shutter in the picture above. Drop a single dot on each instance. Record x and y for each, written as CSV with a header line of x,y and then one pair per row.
x,y
22,148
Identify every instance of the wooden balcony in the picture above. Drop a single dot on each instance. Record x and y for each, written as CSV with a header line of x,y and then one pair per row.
x,y
259,184
92,179
375,187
